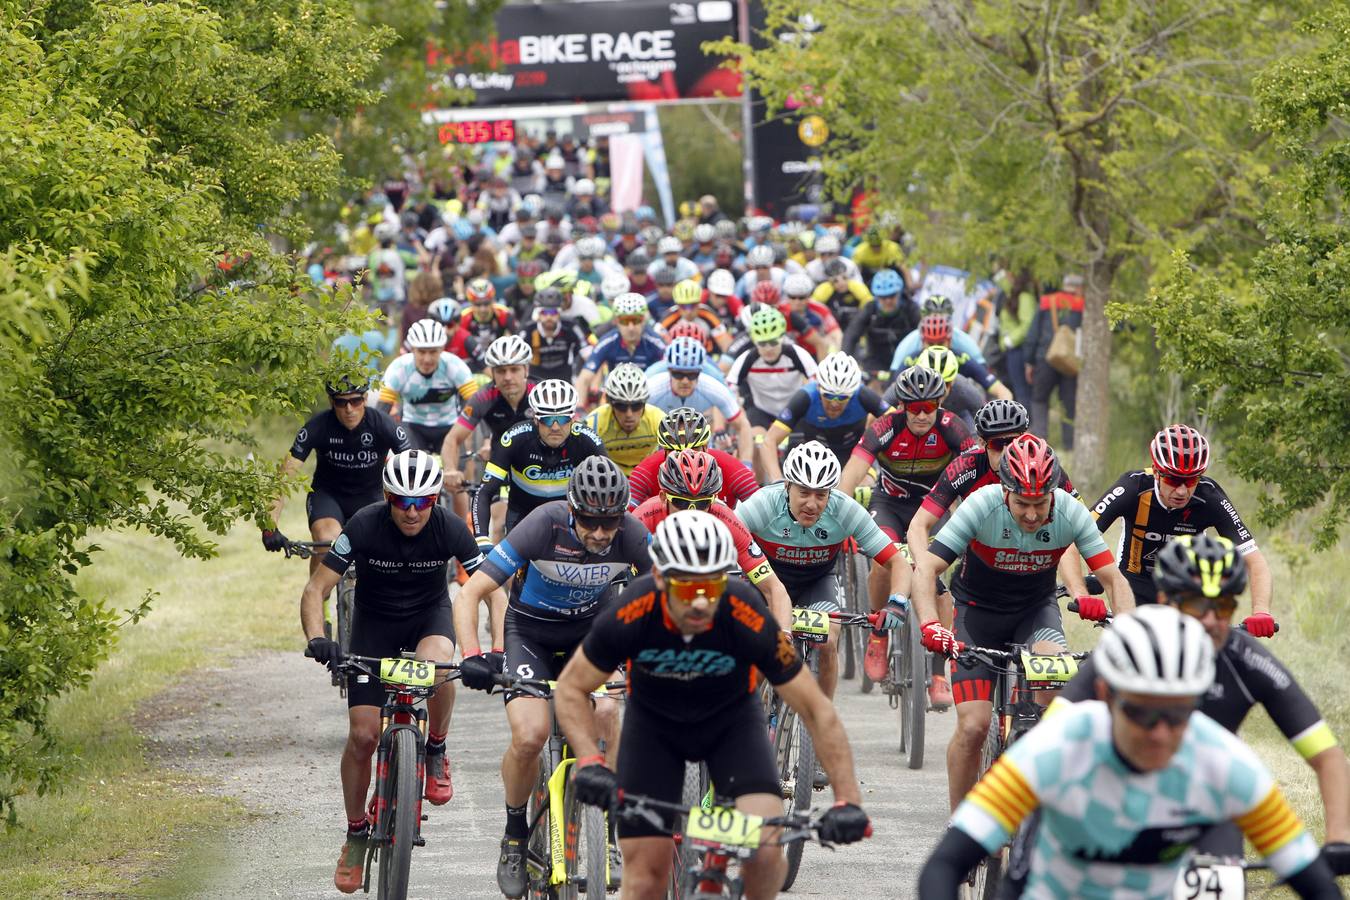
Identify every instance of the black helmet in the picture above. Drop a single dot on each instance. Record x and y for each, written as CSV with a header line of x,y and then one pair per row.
x,y
917,384
598,487
347,385
683,428
834,268
638,259
1199,564
548,298
998,417
936,305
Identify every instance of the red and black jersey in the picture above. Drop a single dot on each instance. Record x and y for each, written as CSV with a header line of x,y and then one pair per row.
x,y
910,464
738,482
966,474
502,322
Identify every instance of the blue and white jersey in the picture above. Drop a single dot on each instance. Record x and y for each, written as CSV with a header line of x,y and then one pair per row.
x,y
963,345
708,393
709,368
611,351
432,400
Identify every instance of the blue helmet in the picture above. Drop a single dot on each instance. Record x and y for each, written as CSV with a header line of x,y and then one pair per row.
x,y
685,354
645,214
887,283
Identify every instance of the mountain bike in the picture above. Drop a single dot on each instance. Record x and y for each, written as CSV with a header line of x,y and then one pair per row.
x,y
851,572
338,608
906,686
400,762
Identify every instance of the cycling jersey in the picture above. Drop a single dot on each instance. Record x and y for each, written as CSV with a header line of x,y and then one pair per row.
x,y
881,332
1005,568
1148,524
886,255
815,319
804,414
611,350
738,482
535,471
491,408
349,462
709,368
966,474
397,575
709,322
652,512
802,554
431,400
963,345
910,464
564,580
708,393
844,304
1109,831
557,356
627,448
768,386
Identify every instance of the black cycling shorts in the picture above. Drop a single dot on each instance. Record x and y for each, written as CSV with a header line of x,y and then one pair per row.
x,y
376,634
539,648
821,594
983,627
891,516
427,437
758,417
734,744
323,505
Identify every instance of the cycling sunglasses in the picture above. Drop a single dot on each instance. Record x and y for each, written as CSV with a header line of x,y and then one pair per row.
x,y
1000,443
629,320
921,407
549,311
687,590
593,523
683,376
626,407
341,402
406,503
700,503
550,421
1177,481
1148,717
1198,604
837,398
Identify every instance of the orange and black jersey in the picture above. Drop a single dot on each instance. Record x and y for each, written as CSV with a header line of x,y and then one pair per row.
x,y
910,464
687,680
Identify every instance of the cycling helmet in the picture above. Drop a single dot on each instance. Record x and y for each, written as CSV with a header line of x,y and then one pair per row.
x,y
645,214
1156,650
690,473
940,360
1000,417
767,324
665,274
798,284
835,268
413,473
838,373
687,329
583,186
936,330
386,231
627,384
669,245
686,354
918,383
807,238
347,385
528,269
721,282
590,247
694,542
705,233
638,260
726,230
480,289
1029,467
1179,450
683,428
936,305
427,334
553,397
597,487
765,292
758,224
444,310
812,465
687,293
565,280
630,304
614,285
1200,564
759,255
651,235
827,243
548,298
887,283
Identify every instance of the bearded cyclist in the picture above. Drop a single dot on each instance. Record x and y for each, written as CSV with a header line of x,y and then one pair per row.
x,y
684,428
633,341
834,409
626,423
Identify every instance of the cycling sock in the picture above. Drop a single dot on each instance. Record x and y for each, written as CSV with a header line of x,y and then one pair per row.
x,y
516,826
358,827
435,743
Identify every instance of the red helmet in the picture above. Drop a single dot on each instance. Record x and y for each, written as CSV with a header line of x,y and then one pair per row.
x,y
936,330
687,329
527,269
1029,467
690,473
765,292
479,289
1179,450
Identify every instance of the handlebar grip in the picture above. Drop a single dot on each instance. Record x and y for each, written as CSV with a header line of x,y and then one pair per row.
x,y
1073,606
309,654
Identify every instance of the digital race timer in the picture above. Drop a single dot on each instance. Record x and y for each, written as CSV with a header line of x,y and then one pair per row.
x,y
478,131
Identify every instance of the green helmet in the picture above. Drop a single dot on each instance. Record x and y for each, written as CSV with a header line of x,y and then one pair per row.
x,y
940,360
767,324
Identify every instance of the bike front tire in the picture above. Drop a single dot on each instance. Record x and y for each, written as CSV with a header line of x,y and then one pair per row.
x,y
913,669
404,791
586,847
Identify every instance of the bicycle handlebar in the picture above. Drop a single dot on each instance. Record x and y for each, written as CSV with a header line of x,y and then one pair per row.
x,y
796,826
1073,608
543,688
305,549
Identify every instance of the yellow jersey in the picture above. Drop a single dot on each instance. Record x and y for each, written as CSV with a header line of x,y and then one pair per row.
x,y
627,448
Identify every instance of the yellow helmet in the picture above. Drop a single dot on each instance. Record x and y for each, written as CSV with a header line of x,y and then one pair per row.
x,y
940,360
688,292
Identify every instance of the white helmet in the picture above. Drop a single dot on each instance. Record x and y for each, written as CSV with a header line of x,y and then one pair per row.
x,y
839,374
553,397
590,247
427,334
812,465
798,284
1156,650
583,186
827,243
705,233
630,304
385,230
669,244
692,541
413,473
615,285
722,283
508,350
627,383
760,255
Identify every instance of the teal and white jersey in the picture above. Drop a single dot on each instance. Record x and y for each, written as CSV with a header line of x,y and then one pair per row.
x,y
431,400
1108,831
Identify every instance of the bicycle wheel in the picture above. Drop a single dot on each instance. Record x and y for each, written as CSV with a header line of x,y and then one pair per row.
x,y
988,874
538,856
585,847
404,790
696,784
848,658
804,772
913,682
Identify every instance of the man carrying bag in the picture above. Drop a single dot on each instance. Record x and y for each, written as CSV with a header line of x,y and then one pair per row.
x,y
1053,350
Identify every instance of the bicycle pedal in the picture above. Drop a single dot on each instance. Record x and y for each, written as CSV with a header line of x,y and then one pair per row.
x,y
426,818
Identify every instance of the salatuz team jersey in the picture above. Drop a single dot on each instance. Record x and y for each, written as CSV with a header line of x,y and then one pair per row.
x,y
768,386
397,575
1004,568
349,463
1108,831
491,408
690,679
627,448
802,554
910,464
536,472
805,414
966,474
738,482
748,553
564,581
1148,524
431,400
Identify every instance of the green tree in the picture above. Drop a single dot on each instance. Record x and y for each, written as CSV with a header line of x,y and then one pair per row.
x,y
1269,343
1094,136
146,322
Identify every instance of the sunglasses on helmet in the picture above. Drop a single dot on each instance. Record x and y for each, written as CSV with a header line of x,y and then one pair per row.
x,y
407,503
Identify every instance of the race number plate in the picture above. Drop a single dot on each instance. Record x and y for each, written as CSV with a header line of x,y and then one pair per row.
x,y
409,672
1048,671
1216,882
810,623
721,825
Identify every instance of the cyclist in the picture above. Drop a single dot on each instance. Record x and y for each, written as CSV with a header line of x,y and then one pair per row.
x,y
691,479
485,319
689,308
821,332
722,298
962,344
882,324
685,428
684,383
842,295
964,397
876,252
1129,782
534,459
834,409
556,345
770,370
1173,497
626,423
760,269
1010,538
801,523
633,341
458,341
827,251
351,440
696,642
571,552
400,549
499,405
428,385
